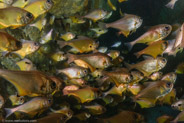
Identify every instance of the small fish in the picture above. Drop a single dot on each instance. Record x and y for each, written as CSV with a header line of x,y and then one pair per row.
x,y
125,116
82,116
117,44
97,73
154,49
40,24
68,36
155,33
134,88
21,3
180,68
156,76
74,72
30,83
78,82
116,90
9,43
16,100
111,5
179,118
91,61
84,95
58,56
99,31
46,38
96,15
170,77
66,111
102,49
69,88
95,109
114,54
80,45
171,4
52,19
77,19
119,76
32,107
170,50
148,66
2,101
128,24
14,17
9,2
152,92
53,118
164,119
179,105
136,76
39,7
28,47
26,65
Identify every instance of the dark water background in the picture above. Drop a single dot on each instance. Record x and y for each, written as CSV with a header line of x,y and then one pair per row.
x,y
153,12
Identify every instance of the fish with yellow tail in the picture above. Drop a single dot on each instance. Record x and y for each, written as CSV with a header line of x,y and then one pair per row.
x,y
30,83
32,107
154,34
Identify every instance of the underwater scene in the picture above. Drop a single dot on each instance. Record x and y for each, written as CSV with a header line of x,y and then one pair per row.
x,y
92,61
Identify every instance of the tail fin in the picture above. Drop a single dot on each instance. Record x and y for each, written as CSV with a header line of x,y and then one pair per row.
x,y
171,4
9,112
129,66
130,45
70,57
61,43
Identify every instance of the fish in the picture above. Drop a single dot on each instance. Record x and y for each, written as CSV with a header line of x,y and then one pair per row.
x,y
111,5
77,19
8,43
58,56
97,73
164,119
116,90
155,33
180,68
102,49
127,25
85,94
136,76
178,105
91,61
134,88
28,47
125,116
74,72
69,88
95,109
99,31
88,44
96,15
114,54
168,99
117,44
68,36
46,38
53,117
179,117
154,49
119,76
82,116
66,111
39,24
170,77
170,50
156,76
171,4
21,3
148,66
39,7
26,65
32,107
14,17
78,82
152,92
2,101
16,99
9,2
30,83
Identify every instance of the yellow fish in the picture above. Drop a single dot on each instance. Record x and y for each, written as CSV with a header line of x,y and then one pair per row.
x,y
68,36
136,76
28,47
47,37
77,20
16,100
154,49
155,33
40,24
30,83
116,90
114,54
26,65
78,82
33,107
14,17
58,56
39,7
95,109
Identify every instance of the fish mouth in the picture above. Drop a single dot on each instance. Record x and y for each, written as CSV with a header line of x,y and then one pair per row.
x,y
48,5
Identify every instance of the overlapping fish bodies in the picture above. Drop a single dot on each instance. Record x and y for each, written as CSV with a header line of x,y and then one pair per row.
x,y
179,105
128,24
36,82
154,34
14,17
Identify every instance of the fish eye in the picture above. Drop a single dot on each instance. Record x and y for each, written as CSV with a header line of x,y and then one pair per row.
x,y
167,28
90,46
25,0
164,60
29,15
50,101
168,84
27,63
85,71
49,1
53,85
36,44
64,117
